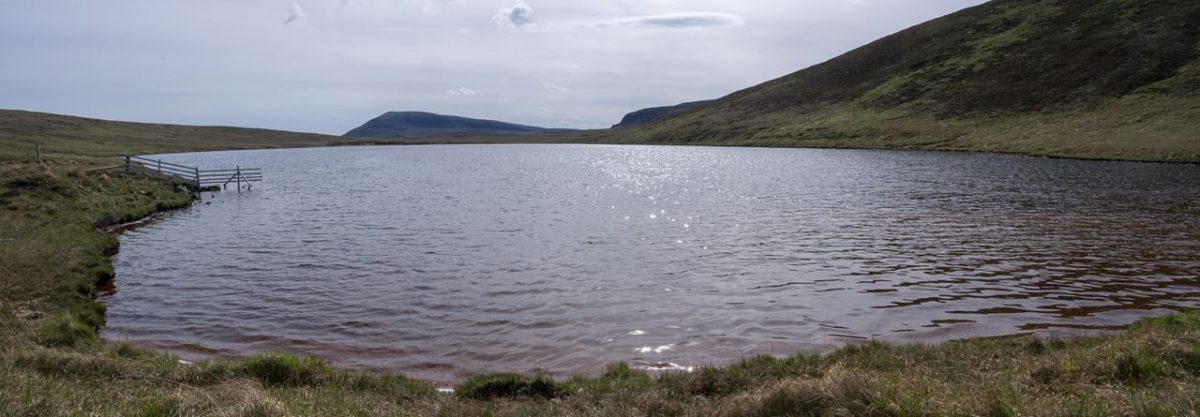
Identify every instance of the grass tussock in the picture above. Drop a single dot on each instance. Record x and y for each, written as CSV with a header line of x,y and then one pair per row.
x,y
240,398
510,386
278,369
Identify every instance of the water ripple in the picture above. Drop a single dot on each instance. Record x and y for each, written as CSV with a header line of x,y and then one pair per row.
x,y
443,261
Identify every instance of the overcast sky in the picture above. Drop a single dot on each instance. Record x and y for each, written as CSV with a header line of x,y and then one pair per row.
x,y
329,65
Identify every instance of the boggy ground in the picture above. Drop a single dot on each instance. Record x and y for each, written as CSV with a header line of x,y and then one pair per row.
x,y
53,256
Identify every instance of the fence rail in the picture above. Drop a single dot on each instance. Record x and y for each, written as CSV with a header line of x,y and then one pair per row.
x,y
193,176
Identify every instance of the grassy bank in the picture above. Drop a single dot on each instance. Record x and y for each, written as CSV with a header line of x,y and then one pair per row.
x,y
1103,79
78,138
1134,128
53,255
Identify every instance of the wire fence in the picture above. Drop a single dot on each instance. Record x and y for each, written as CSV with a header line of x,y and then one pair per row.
x,y
191,176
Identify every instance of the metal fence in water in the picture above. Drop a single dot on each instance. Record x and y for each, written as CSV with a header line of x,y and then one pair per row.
x,y
193,176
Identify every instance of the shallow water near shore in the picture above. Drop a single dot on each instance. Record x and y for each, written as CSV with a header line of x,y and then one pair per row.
x,y
446,261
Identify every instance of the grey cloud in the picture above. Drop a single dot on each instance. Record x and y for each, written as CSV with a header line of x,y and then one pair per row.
x,y
519,15
555,88
295,14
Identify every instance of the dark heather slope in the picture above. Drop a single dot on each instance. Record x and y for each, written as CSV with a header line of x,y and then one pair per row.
x,y
654,114
419,124
1102,79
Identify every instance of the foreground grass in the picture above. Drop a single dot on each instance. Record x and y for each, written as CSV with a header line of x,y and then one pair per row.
x,y
53,255
1154,370
53,364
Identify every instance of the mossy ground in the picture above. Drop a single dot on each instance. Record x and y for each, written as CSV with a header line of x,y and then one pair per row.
x,y
52,255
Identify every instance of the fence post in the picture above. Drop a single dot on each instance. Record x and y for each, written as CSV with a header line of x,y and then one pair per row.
x,y
39,152
197,178
239,178
127,167
160,166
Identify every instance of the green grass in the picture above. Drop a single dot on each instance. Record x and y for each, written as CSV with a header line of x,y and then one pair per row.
x,y
80,139
1150,370
507,385
51,253
1137,127
93,142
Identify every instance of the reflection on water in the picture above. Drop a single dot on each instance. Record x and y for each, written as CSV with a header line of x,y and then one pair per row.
x,y
443,261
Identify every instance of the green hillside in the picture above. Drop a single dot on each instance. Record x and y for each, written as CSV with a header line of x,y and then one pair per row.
x,y
76,137
1096,79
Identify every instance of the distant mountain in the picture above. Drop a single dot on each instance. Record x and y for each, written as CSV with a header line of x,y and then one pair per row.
x,y
411,124
654,114
1115,79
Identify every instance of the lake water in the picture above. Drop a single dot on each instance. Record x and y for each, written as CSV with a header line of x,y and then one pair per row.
x,y
447,261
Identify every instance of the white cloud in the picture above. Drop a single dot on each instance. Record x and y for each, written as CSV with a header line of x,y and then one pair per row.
x,y
430,7
397,29
521,16
517,16
554,88
670,21
295,15
462,92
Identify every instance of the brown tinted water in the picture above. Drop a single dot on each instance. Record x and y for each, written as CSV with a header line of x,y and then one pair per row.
x,y
445,261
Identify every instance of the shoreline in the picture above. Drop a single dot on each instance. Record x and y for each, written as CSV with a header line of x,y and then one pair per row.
x,y
434,142
197,350
118,229
55,364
